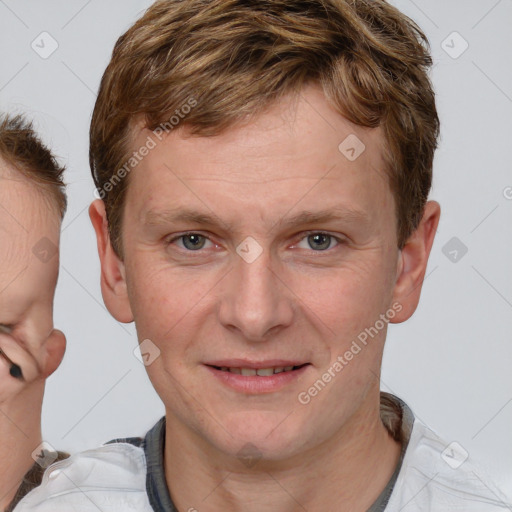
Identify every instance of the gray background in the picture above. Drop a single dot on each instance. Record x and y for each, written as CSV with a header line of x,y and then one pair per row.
x,y
451,362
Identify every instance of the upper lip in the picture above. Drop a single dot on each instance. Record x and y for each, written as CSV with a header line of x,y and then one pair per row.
x,y
244,363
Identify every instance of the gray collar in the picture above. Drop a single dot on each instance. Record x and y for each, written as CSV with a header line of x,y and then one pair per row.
x,y
399,420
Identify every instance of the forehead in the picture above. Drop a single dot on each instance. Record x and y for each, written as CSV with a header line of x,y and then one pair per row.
x,y
298,150
23,205
29,236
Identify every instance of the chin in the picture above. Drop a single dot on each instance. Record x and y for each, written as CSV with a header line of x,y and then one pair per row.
x,y
260,435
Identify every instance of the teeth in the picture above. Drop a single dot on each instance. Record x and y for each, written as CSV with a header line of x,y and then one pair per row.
x,y
263,372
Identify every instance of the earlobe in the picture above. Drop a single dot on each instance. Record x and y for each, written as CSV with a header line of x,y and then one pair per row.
x,y
412,262
113,282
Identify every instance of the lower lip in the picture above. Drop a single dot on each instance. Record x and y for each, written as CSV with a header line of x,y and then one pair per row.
x,y
253,384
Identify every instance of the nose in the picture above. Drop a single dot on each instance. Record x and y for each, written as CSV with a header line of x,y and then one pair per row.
x,y
255,302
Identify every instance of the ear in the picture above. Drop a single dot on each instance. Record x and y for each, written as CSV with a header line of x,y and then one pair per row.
x,y
54,347
113,282
412,263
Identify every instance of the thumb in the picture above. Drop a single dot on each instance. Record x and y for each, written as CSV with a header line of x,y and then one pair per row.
x,y
54,348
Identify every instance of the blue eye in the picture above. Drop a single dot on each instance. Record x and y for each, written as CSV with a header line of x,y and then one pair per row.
x,y
193,241
318,242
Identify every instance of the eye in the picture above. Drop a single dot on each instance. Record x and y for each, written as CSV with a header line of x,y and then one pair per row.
x,y
5,329
318,242
192,241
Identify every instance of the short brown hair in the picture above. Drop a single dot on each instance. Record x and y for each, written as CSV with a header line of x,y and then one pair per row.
x,y
22,149
237,57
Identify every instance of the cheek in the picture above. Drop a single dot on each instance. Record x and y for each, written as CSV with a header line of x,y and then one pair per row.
x,y
345,299
164,300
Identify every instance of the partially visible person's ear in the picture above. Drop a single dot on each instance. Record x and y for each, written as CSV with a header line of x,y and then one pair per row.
x,y
54,347
412,263
113,282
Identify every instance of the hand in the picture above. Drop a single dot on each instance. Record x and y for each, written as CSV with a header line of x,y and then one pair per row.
x,y
33,366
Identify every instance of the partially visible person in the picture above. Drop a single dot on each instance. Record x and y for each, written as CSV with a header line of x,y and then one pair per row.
x,y
264,169
32,205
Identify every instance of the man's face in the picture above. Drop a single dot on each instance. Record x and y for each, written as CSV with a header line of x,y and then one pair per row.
x,y
262,247
28,275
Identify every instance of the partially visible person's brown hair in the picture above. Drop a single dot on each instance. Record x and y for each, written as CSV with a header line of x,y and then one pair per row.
x,y
21,148
234,58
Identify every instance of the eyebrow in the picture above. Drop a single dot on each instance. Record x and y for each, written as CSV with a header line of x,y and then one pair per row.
x,y
339,214
157,217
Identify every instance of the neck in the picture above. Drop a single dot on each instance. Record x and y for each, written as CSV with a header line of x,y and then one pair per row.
x,y
352,468
20,434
